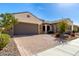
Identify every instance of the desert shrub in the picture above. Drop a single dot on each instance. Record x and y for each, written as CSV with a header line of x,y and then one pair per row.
x,y
73,34
73,31
50,32
57,35
4,40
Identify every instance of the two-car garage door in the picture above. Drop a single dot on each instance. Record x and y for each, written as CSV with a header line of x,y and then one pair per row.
x,y
25,29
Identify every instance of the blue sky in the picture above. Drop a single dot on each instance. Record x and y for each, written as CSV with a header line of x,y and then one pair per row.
x,y
44,11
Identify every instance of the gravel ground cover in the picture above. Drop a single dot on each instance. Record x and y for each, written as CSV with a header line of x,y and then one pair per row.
x,y
10,50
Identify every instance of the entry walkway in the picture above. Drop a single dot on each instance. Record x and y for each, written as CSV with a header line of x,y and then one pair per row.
x,y
69,49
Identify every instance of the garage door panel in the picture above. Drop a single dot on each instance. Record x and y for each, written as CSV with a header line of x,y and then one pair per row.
x,y
23,29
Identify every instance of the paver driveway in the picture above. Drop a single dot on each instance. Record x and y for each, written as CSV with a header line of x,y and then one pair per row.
x,y
31,45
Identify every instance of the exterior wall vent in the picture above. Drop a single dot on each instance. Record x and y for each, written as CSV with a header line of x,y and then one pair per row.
x,y
28,16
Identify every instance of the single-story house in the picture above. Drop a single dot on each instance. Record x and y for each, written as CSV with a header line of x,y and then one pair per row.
x,y
30,24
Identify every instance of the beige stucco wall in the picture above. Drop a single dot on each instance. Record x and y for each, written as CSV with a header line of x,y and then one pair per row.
x,y
76,28
22,17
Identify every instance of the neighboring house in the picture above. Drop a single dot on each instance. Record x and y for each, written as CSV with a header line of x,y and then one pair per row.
x,y
30,24
76,28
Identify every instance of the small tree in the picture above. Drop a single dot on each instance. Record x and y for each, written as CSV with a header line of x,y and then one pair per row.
x,y
62,26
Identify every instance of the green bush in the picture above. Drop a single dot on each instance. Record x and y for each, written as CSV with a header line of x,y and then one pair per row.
x,y
4,40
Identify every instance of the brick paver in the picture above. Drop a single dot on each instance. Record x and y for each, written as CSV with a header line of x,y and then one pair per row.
x,y
30,45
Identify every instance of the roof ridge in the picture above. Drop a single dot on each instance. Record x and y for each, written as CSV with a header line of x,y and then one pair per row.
x,y
21,12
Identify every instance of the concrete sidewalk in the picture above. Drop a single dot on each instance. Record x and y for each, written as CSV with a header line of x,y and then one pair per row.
x,y
69,49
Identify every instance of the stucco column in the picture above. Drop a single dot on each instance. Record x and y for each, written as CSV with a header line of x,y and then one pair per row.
x,y
39,29
45,28
55,28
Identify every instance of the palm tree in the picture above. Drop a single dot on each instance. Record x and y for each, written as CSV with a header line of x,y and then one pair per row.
x,y
7,22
